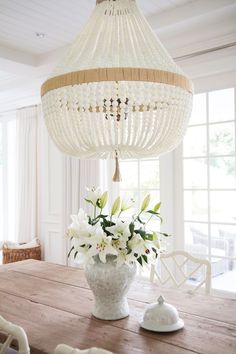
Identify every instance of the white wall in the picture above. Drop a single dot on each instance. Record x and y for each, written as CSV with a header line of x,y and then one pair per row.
x,y
50,193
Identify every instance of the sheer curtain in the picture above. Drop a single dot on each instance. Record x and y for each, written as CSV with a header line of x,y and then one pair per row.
x,y
26,205
8,177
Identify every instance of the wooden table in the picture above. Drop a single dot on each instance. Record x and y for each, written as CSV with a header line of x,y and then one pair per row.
x,y
53,304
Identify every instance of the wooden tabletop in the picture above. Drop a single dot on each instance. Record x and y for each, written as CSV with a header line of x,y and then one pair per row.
x,y
53,304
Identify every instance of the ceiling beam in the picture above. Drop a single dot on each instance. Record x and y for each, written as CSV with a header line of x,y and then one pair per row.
x,y
16,61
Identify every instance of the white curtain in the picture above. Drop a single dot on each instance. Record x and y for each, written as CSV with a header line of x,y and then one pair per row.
x,y
78,174
27,121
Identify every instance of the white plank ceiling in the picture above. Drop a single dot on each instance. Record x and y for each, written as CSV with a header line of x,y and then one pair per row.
x,y
60,20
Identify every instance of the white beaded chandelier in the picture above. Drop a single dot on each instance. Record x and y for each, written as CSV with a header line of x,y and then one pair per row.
x,y
117,92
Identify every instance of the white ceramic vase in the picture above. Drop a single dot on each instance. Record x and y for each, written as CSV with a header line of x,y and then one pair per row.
x,y
110,285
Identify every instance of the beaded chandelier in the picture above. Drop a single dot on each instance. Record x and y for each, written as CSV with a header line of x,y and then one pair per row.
x,y
117,92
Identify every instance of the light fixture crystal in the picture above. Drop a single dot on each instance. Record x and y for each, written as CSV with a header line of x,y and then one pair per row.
x,y
117,92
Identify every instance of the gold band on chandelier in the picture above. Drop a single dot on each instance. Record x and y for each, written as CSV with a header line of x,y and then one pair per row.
x,y
117,74
99,1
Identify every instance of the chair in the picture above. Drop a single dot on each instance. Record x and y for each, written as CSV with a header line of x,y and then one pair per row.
x,y
180,267
230,237
66,349
13,332
219,250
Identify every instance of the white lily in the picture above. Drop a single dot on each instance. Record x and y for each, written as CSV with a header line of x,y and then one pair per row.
x,y
101,245
120,230
81,232
83,256
80,217
138,245
93,195
125,258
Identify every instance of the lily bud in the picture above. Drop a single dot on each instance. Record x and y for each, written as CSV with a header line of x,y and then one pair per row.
x,y
116,206
145,202
103,200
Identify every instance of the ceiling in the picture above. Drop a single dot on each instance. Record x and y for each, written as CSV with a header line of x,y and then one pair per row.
x,y
20,20
184,27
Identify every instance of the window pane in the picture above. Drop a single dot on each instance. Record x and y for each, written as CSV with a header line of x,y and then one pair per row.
x,y
196,238
222,277
195,142
221,105
149,174
222,172
195,173
222,138
223,241
129,172
153,225
199,109
223,206
195,205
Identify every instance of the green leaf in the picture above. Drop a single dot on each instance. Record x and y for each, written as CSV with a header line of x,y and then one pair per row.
x,y
152,212
94,221
72,248
139,219
145,258
164,234
145,202
107,223
116,206
101,216
131,228
141,232
140,261
88,201
149,237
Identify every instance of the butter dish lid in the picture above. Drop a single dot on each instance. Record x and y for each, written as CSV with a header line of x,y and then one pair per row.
x,y
161,317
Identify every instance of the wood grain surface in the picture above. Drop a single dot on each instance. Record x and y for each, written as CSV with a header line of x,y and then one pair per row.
x,y
53,304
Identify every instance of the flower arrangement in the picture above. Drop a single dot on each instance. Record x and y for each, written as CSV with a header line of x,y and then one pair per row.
x,y
101,234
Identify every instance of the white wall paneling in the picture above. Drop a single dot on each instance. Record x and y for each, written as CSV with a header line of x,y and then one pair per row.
x,y
50,199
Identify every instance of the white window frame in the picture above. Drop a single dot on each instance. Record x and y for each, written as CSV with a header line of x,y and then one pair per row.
x,y
179,221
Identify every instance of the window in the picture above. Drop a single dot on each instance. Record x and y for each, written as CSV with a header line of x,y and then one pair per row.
x,y
140,177
7,178
209,180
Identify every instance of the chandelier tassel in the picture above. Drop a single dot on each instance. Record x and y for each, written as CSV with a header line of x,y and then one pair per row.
x,y
117,174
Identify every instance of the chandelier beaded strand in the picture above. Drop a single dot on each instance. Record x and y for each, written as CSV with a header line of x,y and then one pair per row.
x,y
117,92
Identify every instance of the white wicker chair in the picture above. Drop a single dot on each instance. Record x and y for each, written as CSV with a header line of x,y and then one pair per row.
x,y
13,331
179,267
66,349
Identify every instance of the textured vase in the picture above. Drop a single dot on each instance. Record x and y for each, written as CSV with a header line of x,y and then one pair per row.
x,y
110,285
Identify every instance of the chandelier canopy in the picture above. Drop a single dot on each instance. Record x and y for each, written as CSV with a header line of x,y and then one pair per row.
x,y
117,92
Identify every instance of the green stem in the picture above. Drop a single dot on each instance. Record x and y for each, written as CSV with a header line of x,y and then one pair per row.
x,y
149,220
138,215
119,214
